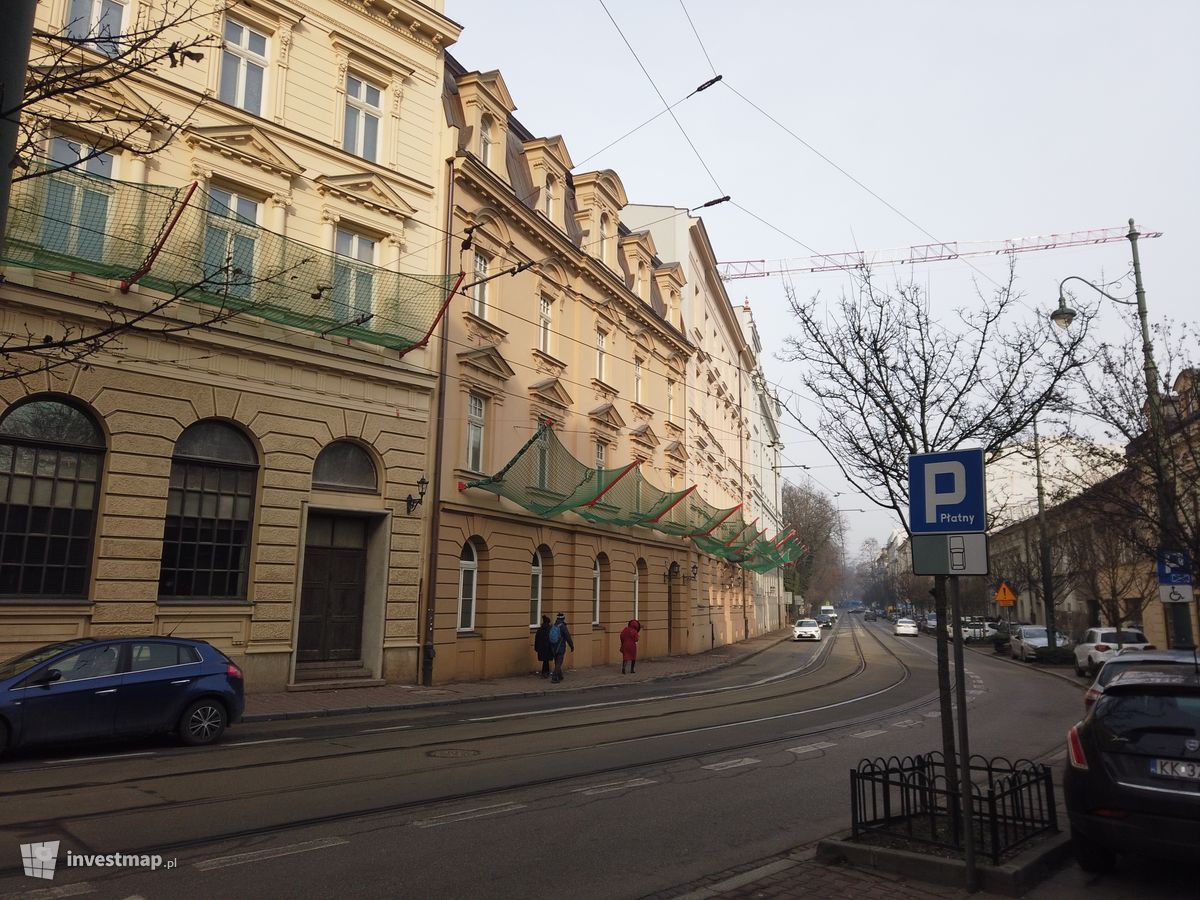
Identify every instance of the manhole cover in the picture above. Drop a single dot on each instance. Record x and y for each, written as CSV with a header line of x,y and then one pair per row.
x,y
452,753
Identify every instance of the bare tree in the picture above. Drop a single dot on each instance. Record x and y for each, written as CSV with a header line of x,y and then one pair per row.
x,y
815,518
83,78
891,377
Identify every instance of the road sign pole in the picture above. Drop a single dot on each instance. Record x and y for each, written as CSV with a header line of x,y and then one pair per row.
x,y
964,742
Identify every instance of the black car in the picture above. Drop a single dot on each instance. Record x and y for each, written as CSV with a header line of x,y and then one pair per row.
x,y
101,688
824,621
869,616
1132,780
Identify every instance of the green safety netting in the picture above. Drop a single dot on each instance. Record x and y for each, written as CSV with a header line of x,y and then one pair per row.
x,y
545,478
191,243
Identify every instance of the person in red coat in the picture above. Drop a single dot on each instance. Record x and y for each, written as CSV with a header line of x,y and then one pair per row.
x,y
629,642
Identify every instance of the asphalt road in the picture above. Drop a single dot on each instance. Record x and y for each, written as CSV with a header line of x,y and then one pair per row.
x,y
606,794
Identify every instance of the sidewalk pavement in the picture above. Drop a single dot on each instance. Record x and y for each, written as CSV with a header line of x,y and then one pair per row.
x,y
301,704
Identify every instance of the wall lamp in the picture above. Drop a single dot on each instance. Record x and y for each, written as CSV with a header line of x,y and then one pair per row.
x,y
695,572
412,503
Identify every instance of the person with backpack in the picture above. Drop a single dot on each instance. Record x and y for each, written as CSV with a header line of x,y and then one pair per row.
x,y
541,645
560,639
629,642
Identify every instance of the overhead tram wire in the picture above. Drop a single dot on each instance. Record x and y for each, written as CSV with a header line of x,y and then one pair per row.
x,y
703,49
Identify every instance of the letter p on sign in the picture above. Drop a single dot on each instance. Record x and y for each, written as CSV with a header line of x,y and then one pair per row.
x,y
945,485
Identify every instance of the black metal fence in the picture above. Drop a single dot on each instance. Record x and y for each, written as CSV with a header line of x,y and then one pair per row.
x,y
912,798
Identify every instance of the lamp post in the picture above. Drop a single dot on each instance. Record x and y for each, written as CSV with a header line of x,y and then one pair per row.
x,y
1168,530
1044,545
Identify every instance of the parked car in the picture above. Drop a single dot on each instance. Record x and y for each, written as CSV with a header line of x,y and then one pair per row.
x,y
905,628
870,616
1101,644
824,621
91,688
929,623
1132,781
1133,659
978,629
1029,642
806,630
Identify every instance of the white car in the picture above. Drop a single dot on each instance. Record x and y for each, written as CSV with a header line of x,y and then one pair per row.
x,y
1101,644
905,627
806,630
1030,641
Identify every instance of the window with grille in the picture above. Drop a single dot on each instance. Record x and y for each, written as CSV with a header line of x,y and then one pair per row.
x,y
475,424
50,462
364,109
230,230
210,506
596,592
243,67
353,277
98,23
468,569
345,466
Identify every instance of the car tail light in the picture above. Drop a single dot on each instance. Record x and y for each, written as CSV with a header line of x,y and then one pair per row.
x,y
1102,648
1075,749
233,671
1093,694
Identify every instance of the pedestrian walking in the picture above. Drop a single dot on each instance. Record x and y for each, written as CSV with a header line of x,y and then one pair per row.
x,y
560,640
629,642
541,646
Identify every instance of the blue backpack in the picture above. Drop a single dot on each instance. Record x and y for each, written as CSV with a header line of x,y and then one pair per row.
x,y
555,636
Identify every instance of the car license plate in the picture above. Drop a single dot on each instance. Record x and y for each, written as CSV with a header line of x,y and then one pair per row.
x,y
1176,768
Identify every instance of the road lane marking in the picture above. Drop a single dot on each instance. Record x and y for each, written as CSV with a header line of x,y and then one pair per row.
x,y
240,859
932,715
905,723
731,764
870,734
613,786
86,759
811,748
264,741
478,812
64,890
389,728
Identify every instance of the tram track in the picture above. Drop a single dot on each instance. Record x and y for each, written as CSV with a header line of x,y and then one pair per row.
x,y
199,806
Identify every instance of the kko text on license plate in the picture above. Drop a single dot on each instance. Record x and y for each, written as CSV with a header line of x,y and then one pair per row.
x,y
1176,768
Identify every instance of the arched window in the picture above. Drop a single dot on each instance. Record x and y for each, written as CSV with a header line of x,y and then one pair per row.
x,y
210,507
468,569
50,456
596,592
637,582
345,466
535,590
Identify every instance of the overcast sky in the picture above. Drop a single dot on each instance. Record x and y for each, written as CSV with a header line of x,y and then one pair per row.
x,y
974,121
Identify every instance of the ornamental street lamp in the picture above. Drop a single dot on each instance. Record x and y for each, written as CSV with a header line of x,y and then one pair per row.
x,y
1168,530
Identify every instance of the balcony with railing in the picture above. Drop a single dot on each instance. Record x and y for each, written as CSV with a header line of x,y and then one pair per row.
x,y
204,246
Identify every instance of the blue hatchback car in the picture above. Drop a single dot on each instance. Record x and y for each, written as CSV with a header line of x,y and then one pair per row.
x,y
95,688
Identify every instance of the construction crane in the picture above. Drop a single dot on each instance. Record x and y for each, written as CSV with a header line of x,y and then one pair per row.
x,y
920,253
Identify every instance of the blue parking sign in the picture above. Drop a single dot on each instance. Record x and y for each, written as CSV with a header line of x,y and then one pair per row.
x,y
1174,567
947,493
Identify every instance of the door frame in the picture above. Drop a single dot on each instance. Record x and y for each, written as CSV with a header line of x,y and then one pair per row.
x,y
379,529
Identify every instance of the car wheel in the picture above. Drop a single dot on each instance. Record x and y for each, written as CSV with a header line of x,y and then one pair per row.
x,y
1079,670
1012,651
203,722
1091,856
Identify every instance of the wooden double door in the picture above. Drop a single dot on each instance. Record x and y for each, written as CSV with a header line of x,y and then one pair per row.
x,y
334,589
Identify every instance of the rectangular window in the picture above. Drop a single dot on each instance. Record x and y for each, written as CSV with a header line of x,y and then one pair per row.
x,y
596,594
545,323
98,23
466,598
243,67
670,401
637,381
543,465
475,425
230,230
535,596
364,110
479,288
601,338
353,277
76,212
600,453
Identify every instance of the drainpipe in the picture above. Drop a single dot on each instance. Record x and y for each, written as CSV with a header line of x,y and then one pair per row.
x,y
15,39
427,650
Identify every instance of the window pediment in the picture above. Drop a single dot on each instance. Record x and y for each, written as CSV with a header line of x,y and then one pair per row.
x,y
366,189
644,435
487,361
551,391
248,145
606,414
550,154
675,450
